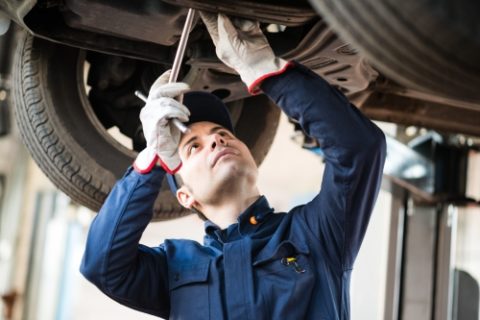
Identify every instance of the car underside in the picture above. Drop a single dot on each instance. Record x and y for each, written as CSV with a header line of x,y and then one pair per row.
x,y
89,56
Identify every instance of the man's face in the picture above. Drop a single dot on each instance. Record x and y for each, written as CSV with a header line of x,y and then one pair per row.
x,y
214,162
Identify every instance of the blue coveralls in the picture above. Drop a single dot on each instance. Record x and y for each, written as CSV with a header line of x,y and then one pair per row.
x,y
241,272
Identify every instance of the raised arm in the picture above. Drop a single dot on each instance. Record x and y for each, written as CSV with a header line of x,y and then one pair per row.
x,y
132,274
354,149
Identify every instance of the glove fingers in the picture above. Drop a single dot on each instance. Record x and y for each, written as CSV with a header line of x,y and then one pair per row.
x,y
211,22
169,90
228,34
250,31
169,108
226,29
245,25
178,115
160,110
174,104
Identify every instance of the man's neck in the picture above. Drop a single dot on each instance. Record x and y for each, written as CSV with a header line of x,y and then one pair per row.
x,y
226,212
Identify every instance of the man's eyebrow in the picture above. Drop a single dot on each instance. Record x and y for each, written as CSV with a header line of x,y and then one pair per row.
x,y
216,128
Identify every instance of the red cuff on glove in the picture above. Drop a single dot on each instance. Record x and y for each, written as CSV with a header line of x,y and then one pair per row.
x,y
254,88
147,169
164,166
153,163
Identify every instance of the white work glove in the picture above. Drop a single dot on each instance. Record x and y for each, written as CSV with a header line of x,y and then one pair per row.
x,y
242,46
161,135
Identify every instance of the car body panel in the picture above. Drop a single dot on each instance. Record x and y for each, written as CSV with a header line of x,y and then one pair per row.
x,y
149,31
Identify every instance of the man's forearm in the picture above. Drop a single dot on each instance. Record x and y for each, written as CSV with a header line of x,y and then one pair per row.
x,y
323,111
115,233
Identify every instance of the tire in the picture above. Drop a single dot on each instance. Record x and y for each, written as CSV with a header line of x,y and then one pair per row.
x,y
72,147
428,45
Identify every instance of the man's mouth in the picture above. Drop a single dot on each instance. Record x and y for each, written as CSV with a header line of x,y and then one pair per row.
x,y
222,153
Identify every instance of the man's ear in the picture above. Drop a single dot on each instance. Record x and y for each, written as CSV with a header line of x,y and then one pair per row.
x,y
185,197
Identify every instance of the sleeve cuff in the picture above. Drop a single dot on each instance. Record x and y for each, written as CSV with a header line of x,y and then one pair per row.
x,y
254,87
154,177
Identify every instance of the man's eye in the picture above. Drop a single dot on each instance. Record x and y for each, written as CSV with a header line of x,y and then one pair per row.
x,y
192,148
223,133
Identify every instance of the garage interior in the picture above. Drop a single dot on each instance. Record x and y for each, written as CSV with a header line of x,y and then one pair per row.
x,y
420,259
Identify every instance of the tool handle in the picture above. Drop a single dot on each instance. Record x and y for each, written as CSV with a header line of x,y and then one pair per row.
x,y
182,45
177,62
183,128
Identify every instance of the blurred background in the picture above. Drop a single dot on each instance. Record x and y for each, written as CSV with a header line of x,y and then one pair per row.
x,y
68,70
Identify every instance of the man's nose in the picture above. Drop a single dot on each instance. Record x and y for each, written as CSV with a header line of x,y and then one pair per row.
x,y
217,141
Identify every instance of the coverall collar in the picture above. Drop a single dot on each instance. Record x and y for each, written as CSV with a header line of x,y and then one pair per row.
x,y
260,210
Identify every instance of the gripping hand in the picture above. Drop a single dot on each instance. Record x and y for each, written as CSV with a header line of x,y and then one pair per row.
x,y
242,46
161,135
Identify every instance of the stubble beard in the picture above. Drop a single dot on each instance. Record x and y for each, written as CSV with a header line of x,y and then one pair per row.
x,y
230,182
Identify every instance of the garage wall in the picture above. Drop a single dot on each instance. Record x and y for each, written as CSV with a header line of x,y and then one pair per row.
x,y
13,164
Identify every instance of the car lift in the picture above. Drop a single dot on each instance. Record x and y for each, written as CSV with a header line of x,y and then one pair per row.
x,y
427,177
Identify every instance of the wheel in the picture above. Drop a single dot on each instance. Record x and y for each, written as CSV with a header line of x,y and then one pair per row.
x,y
65,127
426,45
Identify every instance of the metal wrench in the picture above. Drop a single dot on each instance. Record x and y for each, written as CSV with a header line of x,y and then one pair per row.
x,y
177,62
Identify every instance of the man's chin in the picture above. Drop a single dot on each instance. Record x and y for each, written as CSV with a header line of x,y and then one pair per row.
x,y
226,163
226,168
228,171
226,159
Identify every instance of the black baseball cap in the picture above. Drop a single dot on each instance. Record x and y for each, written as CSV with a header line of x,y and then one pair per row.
x,y
203,106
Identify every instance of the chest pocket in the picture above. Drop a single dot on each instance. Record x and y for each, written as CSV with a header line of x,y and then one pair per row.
x,y
189,291
285,257
285,280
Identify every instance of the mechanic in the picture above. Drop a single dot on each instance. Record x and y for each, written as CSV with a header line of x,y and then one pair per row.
x,y
254,264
